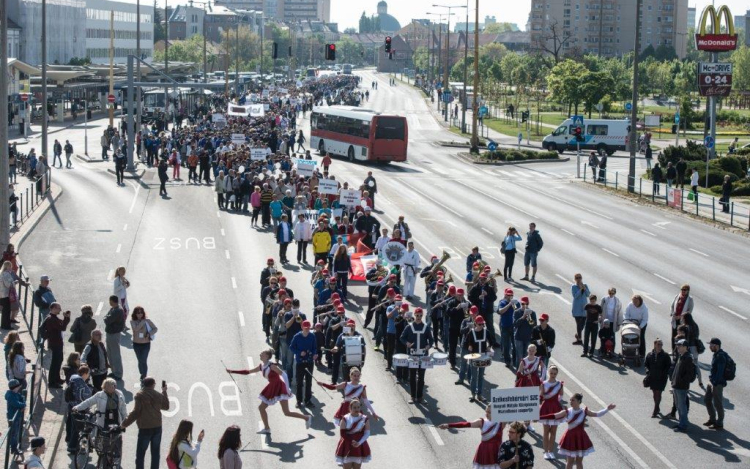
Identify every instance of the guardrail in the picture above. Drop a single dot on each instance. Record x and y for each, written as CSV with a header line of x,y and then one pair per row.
x,y
30,199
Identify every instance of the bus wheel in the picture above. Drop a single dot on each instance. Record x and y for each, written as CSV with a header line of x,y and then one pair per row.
x,y
350,154
322,148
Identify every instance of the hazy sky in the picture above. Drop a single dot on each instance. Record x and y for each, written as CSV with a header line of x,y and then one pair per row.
x,y
347,12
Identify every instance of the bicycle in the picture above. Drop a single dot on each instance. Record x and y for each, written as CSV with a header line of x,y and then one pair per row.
x,y
107,442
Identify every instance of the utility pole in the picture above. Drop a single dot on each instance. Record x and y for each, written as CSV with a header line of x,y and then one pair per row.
x,y
111,66
634,110
226,68
262,34
44,79
446,108
138,63
4,187
205,61
475,104
166,57
237,62
466,75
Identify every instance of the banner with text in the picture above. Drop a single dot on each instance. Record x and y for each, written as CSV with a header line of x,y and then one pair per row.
x,y
258,154
509,405
305,167
349,197
328,186
238,139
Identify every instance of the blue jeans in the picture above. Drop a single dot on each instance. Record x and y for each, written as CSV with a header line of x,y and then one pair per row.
x,y
477,381
146,437
446,333
15,433
287,357
506,344
681,397
465,368
141,354
521,346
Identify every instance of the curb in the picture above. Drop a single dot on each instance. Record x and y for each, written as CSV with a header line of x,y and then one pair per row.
x,y
137,174
465,156
20,236
88,159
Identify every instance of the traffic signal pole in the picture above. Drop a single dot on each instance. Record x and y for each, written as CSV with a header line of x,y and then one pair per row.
x,y
634,111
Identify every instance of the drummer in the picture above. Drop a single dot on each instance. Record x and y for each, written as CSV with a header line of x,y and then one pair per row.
x,y
340,349
478,343
417,337
467,325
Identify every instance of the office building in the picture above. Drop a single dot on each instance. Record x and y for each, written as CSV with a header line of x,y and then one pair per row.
x,y
285,10
606,27
691,17
125,29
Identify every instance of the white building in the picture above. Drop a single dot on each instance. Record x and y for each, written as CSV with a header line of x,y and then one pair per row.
x,y
66,29
98,13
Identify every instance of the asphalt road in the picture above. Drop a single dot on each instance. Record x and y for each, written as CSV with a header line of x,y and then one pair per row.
x,y
196,271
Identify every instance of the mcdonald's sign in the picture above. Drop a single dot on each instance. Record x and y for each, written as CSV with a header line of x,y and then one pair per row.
x,y
713,39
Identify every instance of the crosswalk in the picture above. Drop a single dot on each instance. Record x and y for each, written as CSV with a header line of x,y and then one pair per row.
x,y
520,174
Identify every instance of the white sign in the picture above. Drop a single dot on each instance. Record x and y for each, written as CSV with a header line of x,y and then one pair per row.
x,y
394,252
258,154
328,186
510,405
653,121
283,91
350,198
235,110
265,93
305,168
717,67
256,110
216,118
238,139
266,107
337,212
311,215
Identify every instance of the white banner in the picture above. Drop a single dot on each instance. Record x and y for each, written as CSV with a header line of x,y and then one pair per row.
x,y
235,110
350,197
394,252
305,168
238,139
258,154
283,91
266,107
309,214
219,120
653,121
265,93
509,405
257,110
328,186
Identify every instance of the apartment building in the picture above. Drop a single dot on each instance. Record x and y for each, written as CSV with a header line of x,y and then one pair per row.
x,y
285,10
607,27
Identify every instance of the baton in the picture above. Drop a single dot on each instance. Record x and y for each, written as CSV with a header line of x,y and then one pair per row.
x,y
318,382
230,375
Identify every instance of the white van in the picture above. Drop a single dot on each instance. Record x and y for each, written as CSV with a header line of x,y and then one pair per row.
x,y
602,135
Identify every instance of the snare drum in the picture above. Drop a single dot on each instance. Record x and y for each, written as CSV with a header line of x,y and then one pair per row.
x,y
439,358
353,355
483,361
400,359
425,363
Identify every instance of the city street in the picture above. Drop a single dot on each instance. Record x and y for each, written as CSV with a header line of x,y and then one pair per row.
x,y
196,270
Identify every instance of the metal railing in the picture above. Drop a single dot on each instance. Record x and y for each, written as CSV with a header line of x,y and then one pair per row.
x,y
697,203
30,199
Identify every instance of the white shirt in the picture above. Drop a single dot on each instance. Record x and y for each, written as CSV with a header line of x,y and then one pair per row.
x,y
381,242
694,179
638,315
411,258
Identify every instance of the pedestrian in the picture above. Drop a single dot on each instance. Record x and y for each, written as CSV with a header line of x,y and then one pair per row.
x,y
516,453
372,187
477,341
104,143
53,328
175,161
83,326
121,162
17,363
695,345
593,164
591,329
551,393
543,336
95,356
163,177
353,450
15,404
229,446
603,169
682,376
580,292
79,392
488,452
506,308
326,162
657,365
8,342
508,248
143,331
304,347
71,366
534,244
7,282
284,236
671,174
38,448
220,190
656,175
68,154
418,339
110,409
114,324
681,167
649,157
726,193
637,312
41,174
147,414
342,267
56,153
302,235
694,181
721,363
612,311
524,321
192,162
121,285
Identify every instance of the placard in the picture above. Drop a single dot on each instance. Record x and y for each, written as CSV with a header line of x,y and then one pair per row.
x,y
309,214
235,110
394,252
219,120
515,404
328,186
258,154
674,197
283,91
266,106
305,168
238,139
349,197
653,121
265,93
256,110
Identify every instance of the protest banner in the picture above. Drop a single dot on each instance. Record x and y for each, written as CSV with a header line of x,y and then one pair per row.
x,y
258,154
238,139
256,110
349,197
235,110
304,167
328,186
510,405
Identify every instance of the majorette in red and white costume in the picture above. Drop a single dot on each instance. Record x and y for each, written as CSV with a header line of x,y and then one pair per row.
x,y
487,455
276,390
351,391
575,442
353,429
550,396
531,372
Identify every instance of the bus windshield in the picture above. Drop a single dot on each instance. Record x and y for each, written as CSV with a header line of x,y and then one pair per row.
x,y
390,128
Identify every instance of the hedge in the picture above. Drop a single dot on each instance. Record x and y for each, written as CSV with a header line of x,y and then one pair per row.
x,y
738,190
519,155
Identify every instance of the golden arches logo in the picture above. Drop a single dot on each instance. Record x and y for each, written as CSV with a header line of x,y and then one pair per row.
x,y
714,40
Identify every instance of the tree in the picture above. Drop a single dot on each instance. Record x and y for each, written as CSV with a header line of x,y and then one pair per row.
x,y
553,41
648,52
369,24
79,61
421,58
350,31
594,87
565,82
741,73
497,28
189,50
158,25
665,53
493,52
348,51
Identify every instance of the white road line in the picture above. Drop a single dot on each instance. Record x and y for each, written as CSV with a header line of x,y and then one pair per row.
x,y
226,253
649,233
644,441
441,221
435,201
607,250
698,252
488,231
564,279
234,283
664,278
543,175
111,274
222,232
250,365
440,170
505,173
522,174
119,246
125,228
732,312
497,200
242,318
99,308
263,443
380,197
434,432
135,197
566,231
218,214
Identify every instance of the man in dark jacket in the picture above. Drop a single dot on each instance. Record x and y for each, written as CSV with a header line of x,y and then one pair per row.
x,y
715,392
80,391
54,327
114,325
147,415
681,169
372,186
543,336
472,258
43,296
534,244
483,296
369,226
682,376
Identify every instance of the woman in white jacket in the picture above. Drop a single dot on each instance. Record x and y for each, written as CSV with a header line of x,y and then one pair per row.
x,y
121,285
302,235
109,403
182,451
637,312
219,187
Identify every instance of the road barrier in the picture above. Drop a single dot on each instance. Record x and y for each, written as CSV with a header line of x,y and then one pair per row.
x,y
30,199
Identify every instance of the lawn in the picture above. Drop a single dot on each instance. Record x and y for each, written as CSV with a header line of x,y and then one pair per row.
x,y
502,126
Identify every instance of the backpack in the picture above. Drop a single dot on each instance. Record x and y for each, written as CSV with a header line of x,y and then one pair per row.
x,y
174,465
730,369
69,396
43,332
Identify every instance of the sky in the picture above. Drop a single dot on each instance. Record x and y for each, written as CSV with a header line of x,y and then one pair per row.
x,y
347,12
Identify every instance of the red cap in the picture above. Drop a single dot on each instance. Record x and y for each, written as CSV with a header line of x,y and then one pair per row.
x,y
392,277
282,279
332,280
525,299
452,289
440,282
340,309
336,301
473,309
324,271
335,295
282,292
433,258
405,307
487,268
544,317
288,301
351,322
460,291
399,298
508,292
418,311
482,275
269,260
391,292
476,264
479,320
306,324
441,273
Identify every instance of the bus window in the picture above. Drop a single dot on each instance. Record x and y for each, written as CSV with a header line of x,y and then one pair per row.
x,y
560,130
390,128
598,130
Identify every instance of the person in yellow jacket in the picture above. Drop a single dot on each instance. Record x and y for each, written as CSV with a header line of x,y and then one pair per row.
x,y
321,241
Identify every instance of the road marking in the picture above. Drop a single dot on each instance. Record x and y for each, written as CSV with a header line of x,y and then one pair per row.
x,y
250,365
649,233
380,197
497,200
234,283
554,196
125,228
222,232
522,174
698,252
218,214
263,438
646,295
564,279
661,224
732,312
440,170
622,421
588,223
559,296
505,173
664,278
607,250
242,318
566,231
119,246
135,197
433,431
739,289
111,274
441,221
99,308
488,231
435,201
226,253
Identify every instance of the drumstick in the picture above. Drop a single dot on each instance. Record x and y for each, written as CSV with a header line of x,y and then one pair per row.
x,y
318,382
230,375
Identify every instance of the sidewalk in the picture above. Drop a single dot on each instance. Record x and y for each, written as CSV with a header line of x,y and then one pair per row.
x,y
54,127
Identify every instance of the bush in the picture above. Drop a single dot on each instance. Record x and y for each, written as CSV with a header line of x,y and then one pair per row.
x,y
690,152
741,189
730,164
518,155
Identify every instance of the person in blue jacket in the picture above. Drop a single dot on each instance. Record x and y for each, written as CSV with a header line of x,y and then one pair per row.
x,y
580,292
284,236
15,404
305,349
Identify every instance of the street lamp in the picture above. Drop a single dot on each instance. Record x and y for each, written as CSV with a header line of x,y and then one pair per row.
x,y
634,110
440,42
448,51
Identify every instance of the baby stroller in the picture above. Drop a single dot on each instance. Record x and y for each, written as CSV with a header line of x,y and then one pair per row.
x,y
630,340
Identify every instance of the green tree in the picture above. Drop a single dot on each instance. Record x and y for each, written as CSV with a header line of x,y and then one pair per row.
x,y
79,61
665,52
741,73
158,24
421,58
348,51
350,31
189,50
594,87
565,82
649,51
493,52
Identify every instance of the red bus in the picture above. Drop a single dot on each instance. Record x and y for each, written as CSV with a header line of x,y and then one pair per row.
x,y
359,134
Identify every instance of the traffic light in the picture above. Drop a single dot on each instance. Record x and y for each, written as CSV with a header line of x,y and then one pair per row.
x,y
330,51
524,116
579,134
275,54
388,44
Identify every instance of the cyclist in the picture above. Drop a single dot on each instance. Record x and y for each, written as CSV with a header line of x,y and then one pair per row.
x,y
110,408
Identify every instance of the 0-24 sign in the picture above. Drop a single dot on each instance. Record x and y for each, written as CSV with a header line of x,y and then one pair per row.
x,y
715,79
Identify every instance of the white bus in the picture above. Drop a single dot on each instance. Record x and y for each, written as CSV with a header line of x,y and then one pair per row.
x,y
602,135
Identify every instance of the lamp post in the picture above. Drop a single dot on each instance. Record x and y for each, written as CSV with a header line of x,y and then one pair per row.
x,y
466,73
448,53
4,187
439,47
475,104
634,110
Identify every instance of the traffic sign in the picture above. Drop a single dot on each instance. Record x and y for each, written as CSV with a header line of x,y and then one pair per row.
x,y
628,106
24,97
492,146
709,142
447,96
111,98
578,121
715,78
